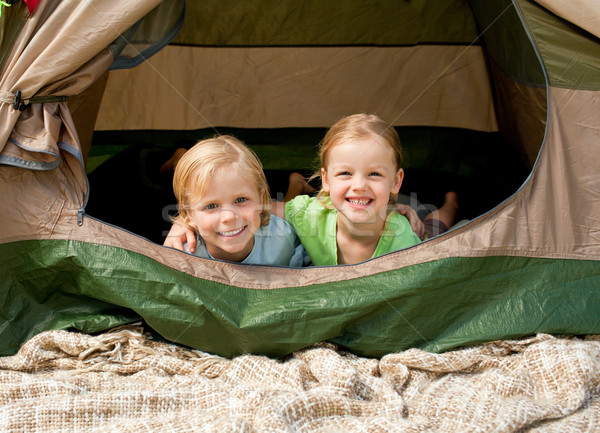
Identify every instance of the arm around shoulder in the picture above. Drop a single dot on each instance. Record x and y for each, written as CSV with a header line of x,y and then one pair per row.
x,y
178,235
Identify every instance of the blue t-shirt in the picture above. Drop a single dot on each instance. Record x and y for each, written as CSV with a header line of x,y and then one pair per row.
x,y
275,244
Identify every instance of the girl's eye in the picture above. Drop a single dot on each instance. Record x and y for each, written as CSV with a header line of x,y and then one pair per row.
x,y
375,173
240,200
344,173
210,206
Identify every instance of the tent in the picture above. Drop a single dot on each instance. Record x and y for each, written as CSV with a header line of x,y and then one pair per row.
x,y
526,71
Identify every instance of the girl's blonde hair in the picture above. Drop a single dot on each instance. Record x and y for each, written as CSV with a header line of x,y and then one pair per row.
x,y
197,166
358,126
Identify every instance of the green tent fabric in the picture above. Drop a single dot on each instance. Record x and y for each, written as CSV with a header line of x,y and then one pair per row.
x,y
529,265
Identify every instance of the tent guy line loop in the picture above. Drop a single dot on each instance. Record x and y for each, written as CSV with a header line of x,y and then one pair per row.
x,y
20,103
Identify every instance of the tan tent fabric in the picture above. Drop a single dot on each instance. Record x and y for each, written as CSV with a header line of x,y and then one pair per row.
x,y
583,13
37,65
524,225
522,114
43,135
124,381
554,215
271,87
84,108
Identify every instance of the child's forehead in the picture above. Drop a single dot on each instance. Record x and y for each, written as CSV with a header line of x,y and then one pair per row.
x,y
361,147
365,140
369,155
205,173
225,181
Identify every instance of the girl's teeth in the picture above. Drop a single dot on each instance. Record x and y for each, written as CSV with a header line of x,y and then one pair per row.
x,y
232,232
359,202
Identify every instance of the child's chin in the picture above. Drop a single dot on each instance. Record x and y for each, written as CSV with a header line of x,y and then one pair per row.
x,y
361,213
235,249
365,217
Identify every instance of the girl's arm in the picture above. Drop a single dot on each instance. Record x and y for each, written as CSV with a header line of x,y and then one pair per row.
x,y
178,235
415,222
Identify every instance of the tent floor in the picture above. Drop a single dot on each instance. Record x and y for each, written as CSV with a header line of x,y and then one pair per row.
x,y
127,190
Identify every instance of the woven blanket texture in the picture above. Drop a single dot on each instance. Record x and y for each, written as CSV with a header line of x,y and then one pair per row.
x,y
125,381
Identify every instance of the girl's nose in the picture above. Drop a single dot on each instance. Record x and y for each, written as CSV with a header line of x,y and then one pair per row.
x,y
358,182
228,214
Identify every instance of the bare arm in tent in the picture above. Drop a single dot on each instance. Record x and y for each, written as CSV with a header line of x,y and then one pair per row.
x,y
178,235
169,166
415,222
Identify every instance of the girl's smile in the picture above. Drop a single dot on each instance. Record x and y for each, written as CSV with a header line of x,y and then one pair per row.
x,y
232,233
359,202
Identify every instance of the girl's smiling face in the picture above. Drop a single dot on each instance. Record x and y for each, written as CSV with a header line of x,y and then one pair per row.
x,y
228,214
360,176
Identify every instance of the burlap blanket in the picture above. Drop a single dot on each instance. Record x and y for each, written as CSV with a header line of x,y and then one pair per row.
x,y
124,381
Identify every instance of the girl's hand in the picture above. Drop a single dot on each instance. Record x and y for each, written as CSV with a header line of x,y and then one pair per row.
x,y
415,222
178,235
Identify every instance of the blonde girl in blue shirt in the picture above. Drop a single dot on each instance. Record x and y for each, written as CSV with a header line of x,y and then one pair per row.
x,y
223,200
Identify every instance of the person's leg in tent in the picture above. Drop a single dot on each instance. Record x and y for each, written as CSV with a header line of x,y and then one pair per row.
x,y
169,165
297,186
440,220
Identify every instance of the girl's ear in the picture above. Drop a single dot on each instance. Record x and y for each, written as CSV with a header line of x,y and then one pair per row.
x,y
398,181
324,183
